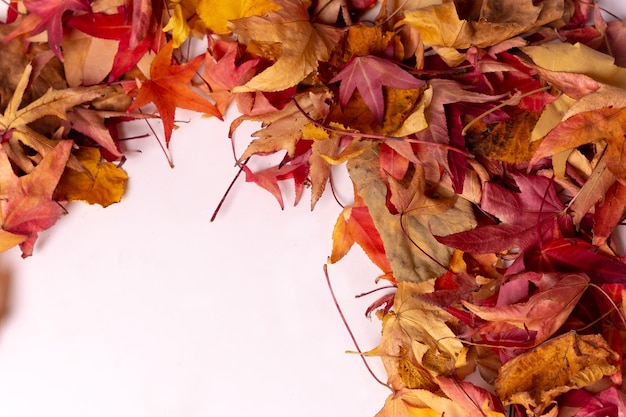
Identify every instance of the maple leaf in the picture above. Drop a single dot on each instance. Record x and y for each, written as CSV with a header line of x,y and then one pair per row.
x,y
226,66
283,129
409,196
608,124
26,205
541,315
168,88
368,74
296,169
302,45
413,252
100,183
414,321
527,217
48,16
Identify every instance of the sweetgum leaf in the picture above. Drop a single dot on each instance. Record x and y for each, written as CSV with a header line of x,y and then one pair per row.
x,y
309,43
413,252
26,205
368,74
169,88
48,16
527,217
608,124
543,313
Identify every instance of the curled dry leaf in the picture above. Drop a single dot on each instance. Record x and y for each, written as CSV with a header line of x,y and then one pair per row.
x,y
535,378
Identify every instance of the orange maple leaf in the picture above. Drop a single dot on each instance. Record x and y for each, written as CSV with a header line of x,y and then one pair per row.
x,y
169,88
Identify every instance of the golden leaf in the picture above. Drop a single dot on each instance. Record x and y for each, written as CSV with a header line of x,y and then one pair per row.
x,y
101,183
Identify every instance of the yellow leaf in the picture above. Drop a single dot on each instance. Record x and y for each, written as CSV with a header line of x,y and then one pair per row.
x,y
8,240
102,183
217,13
580,59
313,132
308,44
178,24
498,20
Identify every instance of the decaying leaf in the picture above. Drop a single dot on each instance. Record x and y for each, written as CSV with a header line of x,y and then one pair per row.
x,y
535,378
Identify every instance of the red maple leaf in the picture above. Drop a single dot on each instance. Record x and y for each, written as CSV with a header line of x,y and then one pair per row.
x,y
369,74
48,16
26,205
169,88
526,217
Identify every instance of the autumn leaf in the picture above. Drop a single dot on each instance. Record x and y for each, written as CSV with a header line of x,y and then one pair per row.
x,y
283,129
415,321
309,43
542,314
507,141
226,66
216,14
295,169
578,59
48,16
26,205
15,122
100,183
534,379
100,45
409,196
168,88
355,225
527,217
439,25
606,124
368,74
413,252
609,212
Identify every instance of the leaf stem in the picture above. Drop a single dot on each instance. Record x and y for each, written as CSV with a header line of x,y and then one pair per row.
x,y
219,205
345,322
508,102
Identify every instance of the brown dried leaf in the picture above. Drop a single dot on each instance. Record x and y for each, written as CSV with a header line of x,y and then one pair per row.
x,y
507,141
535,378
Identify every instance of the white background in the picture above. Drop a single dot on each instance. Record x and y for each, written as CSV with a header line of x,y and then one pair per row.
x,y
145,308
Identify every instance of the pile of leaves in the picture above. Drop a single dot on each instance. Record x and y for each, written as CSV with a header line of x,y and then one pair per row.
x,y
485,141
